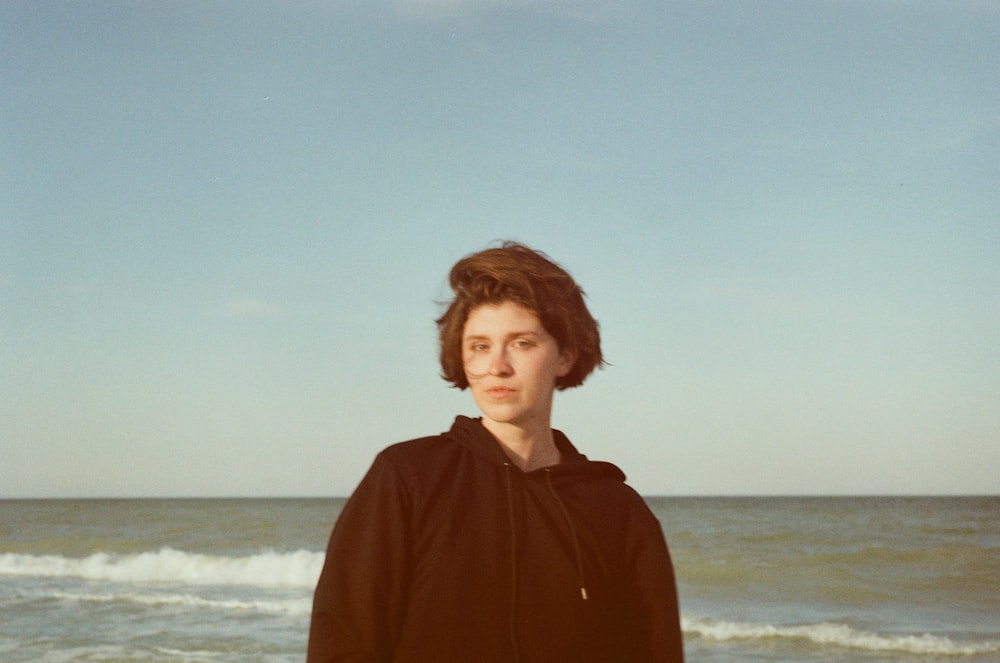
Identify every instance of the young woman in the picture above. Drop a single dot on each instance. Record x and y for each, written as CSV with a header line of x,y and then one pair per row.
x,y
497,540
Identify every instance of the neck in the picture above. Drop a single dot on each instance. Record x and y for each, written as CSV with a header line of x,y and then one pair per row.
x,y
529,449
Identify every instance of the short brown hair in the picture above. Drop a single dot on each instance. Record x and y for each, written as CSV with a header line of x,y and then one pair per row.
x,y
515,273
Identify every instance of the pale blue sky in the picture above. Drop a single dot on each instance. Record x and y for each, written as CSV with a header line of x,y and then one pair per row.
x,y
226,228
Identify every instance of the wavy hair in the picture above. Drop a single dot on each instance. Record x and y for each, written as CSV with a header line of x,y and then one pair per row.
x,y
516,273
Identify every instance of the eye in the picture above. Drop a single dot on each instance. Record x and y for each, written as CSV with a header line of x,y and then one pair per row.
x,y
523,343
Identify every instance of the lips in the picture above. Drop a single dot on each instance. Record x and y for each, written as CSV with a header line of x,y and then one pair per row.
x,y
500,392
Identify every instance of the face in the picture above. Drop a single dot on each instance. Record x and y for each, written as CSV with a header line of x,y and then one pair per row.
x,y
512,364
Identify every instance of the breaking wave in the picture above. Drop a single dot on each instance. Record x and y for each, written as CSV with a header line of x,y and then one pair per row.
x,y
168,566
838,635
301,606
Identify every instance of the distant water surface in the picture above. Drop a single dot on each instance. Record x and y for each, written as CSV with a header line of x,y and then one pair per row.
x,y
797,580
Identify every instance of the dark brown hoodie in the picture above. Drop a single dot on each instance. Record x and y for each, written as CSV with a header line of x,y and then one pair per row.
x,y
448,553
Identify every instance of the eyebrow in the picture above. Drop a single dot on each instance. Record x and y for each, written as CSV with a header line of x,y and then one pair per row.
x,y
484,337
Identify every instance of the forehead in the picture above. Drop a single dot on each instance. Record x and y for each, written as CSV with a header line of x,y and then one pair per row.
x,y
501,319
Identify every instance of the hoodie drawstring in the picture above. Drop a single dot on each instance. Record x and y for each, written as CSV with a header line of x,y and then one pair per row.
x,y
572,531
513,563
512,517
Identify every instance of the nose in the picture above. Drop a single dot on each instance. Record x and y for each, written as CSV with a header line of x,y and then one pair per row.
x,y
499,363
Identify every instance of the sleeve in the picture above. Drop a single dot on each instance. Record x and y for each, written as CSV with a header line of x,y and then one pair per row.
x,y
361,593
655,611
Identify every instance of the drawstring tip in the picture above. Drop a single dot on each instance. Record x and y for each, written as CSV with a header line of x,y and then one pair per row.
x,y
583,593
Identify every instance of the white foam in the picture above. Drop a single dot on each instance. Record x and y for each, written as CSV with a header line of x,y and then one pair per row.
x,y
838,635
302,606
266,569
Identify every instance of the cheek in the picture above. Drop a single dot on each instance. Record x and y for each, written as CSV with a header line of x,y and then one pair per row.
x,y
474,366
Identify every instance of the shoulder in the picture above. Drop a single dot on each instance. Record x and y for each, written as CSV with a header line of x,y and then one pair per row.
x,y
625,498
417,461
464,436
606,494
399,471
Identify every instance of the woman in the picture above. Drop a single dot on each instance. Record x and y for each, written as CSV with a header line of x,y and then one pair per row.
x,y
497,540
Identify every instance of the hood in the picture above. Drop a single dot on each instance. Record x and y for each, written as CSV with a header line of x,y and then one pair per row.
x,y
471,434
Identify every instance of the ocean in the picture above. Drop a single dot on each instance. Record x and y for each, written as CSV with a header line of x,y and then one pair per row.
x,y
797,580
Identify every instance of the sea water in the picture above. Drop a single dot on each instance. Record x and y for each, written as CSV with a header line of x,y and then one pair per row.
x,y
837,579
798,580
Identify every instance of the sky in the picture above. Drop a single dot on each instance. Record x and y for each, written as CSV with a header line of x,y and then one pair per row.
x,y
226,228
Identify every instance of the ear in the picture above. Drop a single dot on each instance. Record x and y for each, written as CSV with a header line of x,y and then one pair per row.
x,y
567,358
